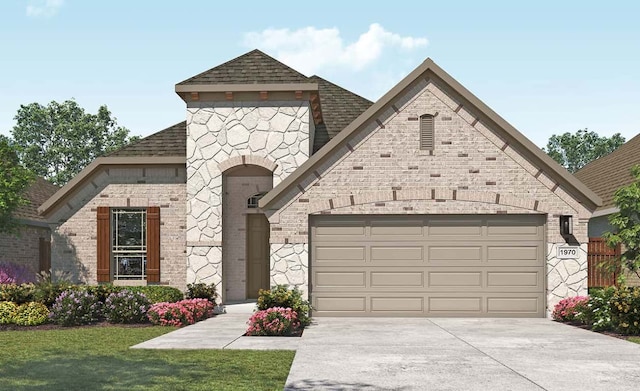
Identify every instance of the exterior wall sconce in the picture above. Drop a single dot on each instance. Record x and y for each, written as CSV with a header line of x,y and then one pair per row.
x,y
566,225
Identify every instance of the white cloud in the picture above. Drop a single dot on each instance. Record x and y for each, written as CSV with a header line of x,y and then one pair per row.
x,y
44,8
309,49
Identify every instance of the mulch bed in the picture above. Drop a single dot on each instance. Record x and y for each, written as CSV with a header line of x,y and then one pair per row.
x,y
608,333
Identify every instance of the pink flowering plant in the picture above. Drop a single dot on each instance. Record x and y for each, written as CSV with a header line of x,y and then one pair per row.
x,y
569,309
181,313
126,307
74,308
274,321
13,273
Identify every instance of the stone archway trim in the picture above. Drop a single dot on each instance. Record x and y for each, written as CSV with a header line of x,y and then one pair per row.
x,y
243,160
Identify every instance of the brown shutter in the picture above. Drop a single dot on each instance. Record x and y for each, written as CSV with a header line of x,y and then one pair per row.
x,y
426,132
153,244
104,244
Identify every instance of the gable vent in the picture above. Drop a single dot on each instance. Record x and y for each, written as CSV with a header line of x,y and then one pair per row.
x,y
426,132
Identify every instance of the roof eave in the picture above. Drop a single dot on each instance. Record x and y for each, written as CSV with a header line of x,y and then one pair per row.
x,y
577,188
47,207
273,87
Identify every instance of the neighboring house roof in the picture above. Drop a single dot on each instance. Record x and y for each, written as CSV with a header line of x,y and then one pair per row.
x,y
171,141
254,67
39,191
607,174
428,69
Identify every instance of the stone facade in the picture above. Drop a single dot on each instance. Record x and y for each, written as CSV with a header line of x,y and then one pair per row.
x,y
73,246
471,170
290,265
221,135
23,248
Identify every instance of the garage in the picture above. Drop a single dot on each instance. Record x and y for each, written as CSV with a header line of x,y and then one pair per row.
x,y
428,265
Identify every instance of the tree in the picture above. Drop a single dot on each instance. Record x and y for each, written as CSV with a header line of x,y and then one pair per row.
x,y
58,140
14,180
626,223
574,151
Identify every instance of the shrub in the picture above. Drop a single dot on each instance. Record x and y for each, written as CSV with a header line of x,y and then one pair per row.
x,y
101,292
74,308
597,313
282,296
201,290
274,321
47,292
181,313
13,273
126,307
567,309
18,294
158,293
31,314
7,311
625,310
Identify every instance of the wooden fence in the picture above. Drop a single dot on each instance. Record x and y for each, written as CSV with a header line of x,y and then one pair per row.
x,y
602,270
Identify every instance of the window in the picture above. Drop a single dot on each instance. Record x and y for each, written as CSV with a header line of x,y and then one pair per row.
x,y
252,202
426,132
128,244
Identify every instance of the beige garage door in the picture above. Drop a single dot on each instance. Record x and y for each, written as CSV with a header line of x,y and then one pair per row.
x,y
443,265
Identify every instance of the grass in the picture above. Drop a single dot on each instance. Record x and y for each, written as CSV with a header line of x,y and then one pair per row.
x,y
634,339
99,358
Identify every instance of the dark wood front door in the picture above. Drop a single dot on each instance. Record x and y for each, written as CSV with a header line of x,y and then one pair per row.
x,y
257,254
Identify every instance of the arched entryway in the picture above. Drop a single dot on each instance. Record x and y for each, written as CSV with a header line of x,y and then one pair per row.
x,y
245,233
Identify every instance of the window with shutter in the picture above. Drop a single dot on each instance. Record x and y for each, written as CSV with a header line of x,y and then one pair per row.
x,y
426,132
128,241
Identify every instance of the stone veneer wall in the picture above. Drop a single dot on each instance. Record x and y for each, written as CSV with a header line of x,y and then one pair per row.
x,y
471,170
271,134
73,245
23,247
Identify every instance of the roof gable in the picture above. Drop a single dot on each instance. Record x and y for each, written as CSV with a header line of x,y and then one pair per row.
x,y
430,71
254,67
608,173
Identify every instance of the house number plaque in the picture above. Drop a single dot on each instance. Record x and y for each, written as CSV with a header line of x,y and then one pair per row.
x,y
568,252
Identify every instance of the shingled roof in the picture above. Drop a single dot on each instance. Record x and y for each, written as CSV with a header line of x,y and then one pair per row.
x,y
39,191
254,67
339,108
607,174
171,141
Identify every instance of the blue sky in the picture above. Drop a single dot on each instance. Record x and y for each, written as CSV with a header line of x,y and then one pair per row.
x,y
545,66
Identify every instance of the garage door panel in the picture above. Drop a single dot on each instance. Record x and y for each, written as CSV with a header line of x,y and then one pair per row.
x,y
339,304
354,279
397,305
454,254
339,254
394,279
455,279
397,254
476,266
399,227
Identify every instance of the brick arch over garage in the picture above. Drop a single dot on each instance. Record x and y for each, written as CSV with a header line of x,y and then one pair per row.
x,y
427,194
244,160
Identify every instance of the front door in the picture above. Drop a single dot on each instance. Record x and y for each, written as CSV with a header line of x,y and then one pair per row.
x,y
257,254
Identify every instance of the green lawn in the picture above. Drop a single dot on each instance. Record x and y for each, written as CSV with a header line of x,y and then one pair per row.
x,y
99,358
634,339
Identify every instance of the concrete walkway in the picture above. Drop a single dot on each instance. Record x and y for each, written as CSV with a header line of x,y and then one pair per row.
x,y
460,354
224,331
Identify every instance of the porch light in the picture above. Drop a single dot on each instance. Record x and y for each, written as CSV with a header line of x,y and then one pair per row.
x,y
566,225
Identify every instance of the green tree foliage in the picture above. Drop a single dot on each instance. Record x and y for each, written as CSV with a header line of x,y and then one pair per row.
x,y
626,223
574,151
14,180
58,140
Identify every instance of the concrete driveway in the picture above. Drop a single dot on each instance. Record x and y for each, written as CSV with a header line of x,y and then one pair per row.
x,y
460,354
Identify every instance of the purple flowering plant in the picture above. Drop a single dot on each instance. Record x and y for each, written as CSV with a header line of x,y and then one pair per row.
x,y
74,308
126,307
